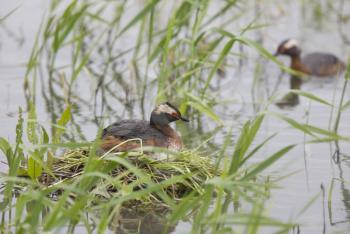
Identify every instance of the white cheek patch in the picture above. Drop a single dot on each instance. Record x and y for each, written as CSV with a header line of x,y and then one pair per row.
x,y
290,44
163,108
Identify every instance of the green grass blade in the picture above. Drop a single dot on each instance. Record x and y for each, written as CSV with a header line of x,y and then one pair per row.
x,y
32,124
149,7
6,150
201,107
225,51
346,106
309,204
59,129
245,140
35,165
200,216
256,149
2,18
293,123
311,97
267,162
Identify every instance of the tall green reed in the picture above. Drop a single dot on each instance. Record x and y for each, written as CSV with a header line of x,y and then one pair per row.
x,y
188,52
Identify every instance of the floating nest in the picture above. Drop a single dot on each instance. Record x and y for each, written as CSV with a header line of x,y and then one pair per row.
x,y
192,168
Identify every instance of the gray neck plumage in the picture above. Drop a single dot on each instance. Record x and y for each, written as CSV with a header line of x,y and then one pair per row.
x,y
161,119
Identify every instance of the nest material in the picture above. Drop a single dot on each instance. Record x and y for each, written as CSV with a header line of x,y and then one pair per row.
x,y
195,169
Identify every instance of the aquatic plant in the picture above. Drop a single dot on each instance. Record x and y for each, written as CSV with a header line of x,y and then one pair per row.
x,y
55,181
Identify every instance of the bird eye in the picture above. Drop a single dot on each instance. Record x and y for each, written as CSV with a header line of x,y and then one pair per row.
x,y
175,115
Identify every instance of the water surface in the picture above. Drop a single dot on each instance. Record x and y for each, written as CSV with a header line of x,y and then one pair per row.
x,y
311,165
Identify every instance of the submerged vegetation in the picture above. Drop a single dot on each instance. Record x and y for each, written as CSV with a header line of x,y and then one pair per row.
x,y
113,60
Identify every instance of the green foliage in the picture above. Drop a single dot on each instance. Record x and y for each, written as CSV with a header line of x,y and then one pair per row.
x,y
143,13
34,165
311,97
202,107
3,18
186,53
59,128
6,150
66,24
32,124
245,140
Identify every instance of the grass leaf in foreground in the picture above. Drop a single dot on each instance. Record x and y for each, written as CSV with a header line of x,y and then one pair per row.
x,y
150,6
61,123
267,162
310,96
244,141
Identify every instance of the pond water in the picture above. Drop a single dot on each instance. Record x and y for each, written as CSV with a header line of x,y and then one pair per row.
x,y
310,167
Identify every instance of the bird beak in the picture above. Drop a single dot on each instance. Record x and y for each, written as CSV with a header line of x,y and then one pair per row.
x,y
184,119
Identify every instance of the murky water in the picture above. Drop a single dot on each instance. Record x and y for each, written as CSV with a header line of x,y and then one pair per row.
x,y
311,166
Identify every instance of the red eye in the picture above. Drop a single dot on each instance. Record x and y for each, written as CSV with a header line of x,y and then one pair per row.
x,y
175,115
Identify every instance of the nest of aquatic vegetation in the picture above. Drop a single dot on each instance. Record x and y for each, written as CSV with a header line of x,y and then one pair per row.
x,y
193,168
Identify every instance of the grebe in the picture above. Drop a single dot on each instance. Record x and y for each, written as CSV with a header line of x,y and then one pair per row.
x,y
315,64
155,132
